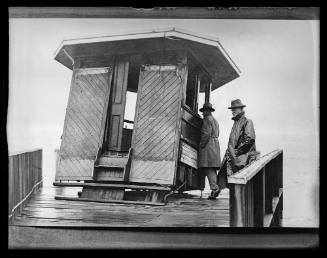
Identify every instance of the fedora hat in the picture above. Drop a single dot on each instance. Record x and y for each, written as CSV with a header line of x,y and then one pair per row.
x,y
236,103
207,106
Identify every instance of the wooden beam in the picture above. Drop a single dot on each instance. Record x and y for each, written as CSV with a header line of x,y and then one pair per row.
x,y
107,201
125,186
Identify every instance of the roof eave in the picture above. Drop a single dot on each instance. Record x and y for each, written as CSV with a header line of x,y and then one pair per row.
x,y
63,56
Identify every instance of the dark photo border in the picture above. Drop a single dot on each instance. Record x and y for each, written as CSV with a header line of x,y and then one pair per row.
x,y
166,238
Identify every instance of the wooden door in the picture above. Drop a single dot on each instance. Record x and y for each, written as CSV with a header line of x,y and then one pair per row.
x,y
157,123
84,123
118,99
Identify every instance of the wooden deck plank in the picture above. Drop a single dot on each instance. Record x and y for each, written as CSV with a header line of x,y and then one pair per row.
x,y
105,201
112,186
182,210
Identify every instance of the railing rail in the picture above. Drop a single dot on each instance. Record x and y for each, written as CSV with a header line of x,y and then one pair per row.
x,y
256,193
24,176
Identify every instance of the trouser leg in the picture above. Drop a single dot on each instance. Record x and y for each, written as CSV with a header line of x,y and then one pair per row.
x,y
212,178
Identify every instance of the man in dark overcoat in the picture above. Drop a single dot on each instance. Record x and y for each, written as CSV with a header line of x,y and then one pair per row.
x,y
209,152
241,148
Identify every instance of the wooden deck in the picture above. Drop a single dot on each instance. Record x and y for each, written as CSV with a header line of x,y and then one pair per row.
x,y
187,210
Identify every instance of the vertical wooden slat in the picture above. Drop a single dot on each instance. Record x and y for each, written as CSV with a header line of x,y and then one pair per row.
x,y
24,171
268,189
28,173
249,211
17,183
23,178
280,184
251,201
10,183
20,197
237,205
40,164
275,177
14,180
281,206
280,170
259,198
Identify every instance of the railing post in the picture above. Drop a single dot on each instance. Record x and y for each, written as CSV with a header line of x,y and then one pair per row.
x,y
275,176
280,183
40,166
11,184
237,205
259,198
241,205
21,182
268,189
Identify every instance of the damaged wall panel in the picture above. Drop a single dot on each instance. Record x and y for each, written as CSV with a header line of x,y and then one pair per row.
x,y
84,123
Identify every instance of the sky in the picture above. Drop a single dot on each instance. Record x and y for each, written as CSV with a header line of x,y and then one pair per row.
x,y
278,59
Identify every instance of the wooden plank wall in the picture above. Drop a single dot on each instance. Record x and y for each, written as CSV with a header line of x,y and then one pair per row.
x,y
155,140
191,127
189,155
190,137
84,123
25,175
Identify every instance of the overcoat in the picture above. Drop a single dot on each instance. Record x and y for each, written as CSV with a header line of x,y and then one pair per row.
x,y
209,151
241,148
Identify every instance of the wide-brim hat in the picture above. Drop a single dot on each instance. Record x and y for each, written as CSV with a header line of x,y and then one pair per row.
x,y
207,106
237,103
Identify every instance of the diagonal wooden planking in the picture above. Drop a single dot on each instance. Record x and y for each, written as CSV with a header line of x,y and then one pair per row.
x,y
83,123
156,127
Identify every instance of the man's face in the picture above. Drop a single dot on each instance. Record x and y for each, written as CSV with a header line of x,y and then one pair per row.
x,y
206,113
236,111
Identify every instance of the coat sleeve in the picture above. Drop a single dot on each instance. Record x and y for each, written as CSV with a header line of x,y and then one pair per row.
x,y
248,139
205,133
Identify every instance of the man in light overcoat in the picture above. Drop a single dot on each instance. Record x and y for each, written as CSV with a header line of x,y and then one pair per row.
x,y
209,152
241,148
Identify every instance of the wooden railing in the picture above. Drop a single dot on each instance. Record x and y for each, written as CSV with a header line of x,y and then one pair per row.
x,y
256,193
25,175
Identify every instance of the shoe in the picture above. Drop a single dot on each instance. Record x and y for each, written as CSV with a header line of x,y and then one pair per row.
x,y
214,195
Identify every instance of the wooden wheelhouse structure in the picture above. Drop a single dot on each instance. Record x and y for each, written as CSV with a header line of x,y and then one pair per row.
x,y
132,117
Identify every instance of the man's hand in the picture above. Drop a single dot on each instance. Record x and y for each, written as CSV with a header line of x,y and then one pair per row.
x,y
229,172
